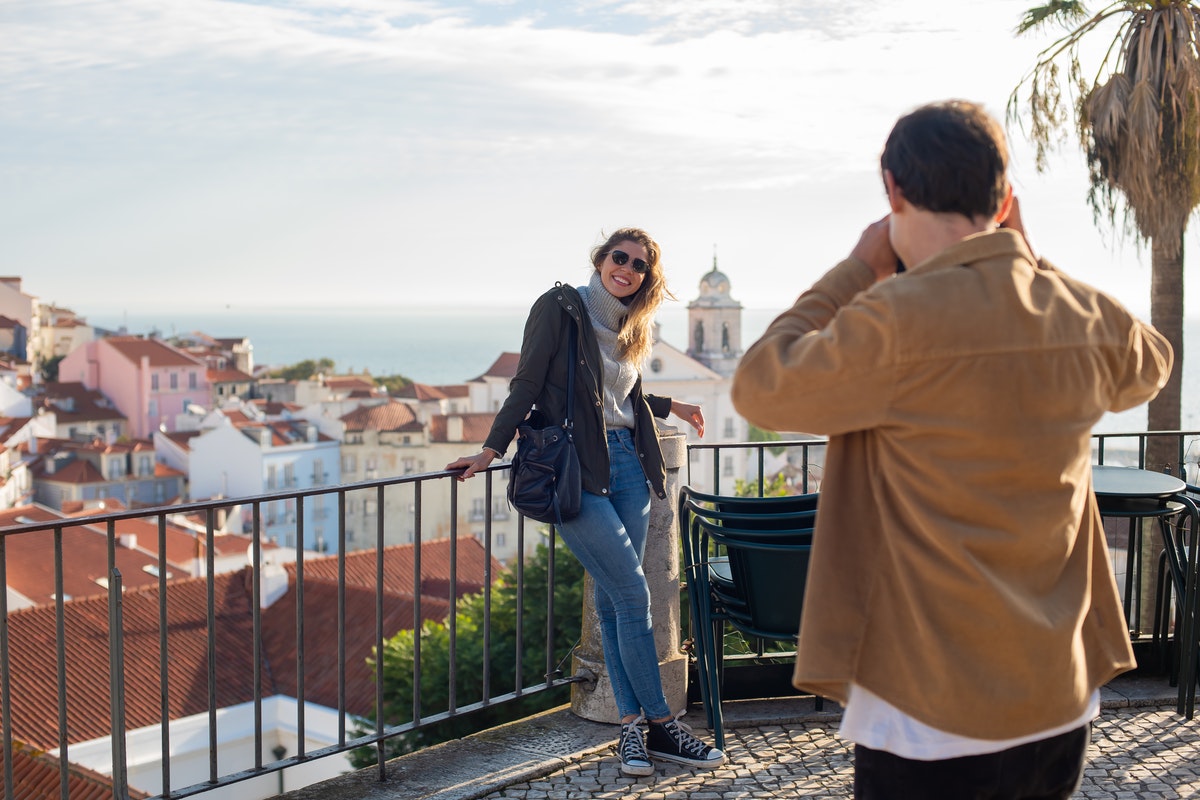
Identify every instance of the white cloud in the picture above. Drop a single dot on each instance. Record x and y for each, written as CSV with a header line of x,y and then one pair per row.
x,y
250,141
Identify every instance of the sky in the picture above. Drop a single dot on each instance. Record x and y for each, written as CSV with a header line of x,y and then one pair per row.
x,y
244,154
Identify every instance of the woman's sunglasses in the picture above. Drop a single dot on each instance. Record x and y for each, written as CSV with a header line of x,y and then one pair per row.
x,y
621,258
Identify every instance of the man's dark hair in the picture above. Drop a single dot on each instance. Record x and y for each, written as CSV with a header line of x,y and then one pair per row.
x,y
949,157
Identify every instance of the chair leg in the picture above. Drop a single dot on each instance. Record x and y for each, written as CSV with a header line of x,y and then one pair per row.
x,y
1162,616
716,679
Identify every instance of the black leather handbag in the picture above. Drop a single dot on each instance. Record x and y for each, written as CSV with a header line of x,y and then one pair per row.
x,y
545,481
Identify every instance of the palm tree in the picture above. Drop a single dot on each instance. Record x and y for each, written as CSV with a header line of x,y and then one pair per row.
x,y
1138,120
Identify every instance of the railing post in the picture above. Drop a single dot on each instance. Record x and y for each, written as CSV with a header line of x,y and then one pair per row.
x,y
595,701
116,687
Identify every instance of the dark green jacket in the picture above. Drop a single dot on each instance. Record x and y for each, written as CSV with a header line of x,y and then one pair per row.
x,y
541,379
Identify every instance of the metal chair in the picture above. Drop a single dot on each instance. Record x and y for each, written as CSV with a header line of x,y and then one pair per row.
x,y
746,561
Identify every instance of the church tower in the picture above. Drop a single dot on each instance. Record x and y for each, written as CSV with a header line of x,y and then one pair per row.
x,y
715,324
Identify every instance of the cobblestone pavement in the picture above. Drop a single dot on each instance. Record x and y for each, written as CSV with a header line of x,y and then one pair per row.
x,y
1136,754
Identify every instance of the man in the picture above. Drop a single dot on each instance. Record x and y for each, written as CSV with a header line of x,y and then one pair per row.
x,y
960,602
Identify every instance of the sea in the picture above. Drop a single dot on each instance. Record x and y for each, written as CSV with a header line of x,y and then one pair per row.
x,y
447,346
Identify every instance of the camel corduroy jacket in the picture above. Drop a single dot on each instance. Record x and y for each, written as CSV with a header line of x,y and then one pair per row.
x,y
959,568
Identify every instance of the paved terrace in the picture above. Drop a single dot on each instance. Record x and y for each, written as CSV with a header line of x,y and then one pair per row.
x,y
1141,750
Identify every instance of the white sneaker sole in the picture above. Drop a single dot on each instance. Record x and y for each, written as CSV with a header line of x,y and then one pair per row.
x,y
637,770
689,762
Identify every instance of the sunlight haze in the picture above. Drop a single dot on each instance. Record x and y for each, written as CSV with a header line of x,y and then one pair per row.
x,y
211,153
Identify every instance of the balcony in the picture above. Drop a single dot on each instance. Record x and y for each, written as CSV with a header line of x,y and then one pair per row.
x,y
278,684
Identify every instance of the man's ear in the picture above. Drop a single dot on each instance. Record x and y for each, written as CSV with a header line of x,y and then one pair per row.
x,y
1005,205
895,196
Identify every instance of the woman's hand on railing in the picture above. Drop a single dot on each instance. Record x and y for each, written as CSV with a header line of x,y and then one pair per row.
x,y
472,464
689,413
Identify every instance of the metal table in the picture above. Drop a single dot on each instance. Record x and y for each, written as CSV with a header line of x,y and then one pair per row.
x,y
1138,494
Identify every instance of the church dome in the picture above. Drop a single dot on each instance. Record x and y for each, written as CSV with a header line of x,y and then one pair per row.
x,y
714,282
714,290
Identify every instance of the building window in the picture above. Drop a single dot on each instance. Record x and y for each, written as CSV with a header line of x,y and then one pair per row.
x,y
727,466
145,465
115,469
174,381
154,383
501,540
270,477
729,427
289,476
191,380
349,462
477,509
318,472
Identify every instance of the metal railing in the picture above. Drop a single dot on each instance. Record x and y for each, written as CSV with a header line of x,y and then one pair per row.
x,y
1127,448
117,643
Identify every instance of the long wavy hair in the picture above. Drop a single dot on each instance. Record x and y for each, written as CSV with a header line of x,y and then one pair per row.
x,y
636,337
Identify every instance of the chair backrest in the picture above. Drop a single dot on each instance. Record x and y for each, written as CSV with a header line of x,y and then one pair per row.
x,y
768,542
769,577
754,513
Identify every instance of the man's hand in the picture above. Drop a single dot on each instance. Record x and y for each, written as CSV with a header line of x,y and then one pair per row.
x,y
1014,221
875,250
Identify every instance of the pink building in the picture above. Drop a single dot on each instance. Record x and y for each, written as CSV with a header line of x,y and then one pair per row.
x,y
148,381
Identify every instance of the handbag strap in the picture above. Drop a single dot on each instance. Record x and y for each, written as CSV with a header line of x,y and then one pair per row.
x,y
572,351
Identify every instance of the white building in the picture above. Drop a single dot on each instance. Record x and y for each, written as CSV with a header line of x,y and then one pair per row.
x,y
235,453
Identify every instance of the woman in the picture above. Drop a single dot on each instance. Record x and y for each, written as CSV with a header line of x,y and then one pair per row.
x,y
620,463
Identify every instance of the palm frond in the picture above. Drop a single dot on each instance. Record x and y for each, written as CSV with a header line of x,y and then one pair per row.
x,y
1063,12
1137,115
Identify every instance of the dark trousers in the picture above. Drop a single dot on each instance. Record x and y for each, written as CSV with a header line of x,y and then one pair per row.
x,y
1048,769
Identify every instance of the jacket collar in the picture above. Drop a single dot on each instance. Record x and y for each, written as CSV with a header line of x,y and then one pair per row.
x,y
1000,243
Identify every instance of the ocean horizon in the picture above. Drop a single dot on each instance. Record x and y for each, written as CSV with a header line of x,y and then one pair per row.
x,y
448,346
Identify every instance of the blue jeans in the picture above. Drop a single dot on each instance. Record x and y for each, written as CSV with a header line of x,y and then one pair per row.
x,y
609,539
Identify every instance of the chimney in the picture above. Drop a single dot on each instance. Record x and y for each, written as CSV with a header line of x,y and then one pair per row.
x,y
454,429
264,437
127,540
310,432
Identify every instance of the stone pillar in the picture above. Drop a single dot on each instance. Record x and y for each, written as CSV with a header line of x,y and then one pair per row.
x,y
594,700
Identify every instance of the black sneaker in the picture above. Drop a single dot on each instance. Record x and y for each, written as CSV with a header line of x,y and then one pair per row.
x,y
631,747
673,741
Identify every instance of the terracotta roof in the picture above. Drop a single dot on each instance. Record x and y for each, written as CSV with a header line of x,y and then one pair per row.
x,y
455,390
30,558
321,635
7,322
78,471
181,438
476,426
11,425
420,392
503,367
390,416
228,376
398,568
238,418
274,408
345,383
33,674
32,641
160,354
36,775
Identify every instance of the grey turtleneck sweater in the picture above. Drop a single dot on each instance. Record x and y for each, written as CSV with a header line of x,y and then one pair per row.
x,y
606,313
